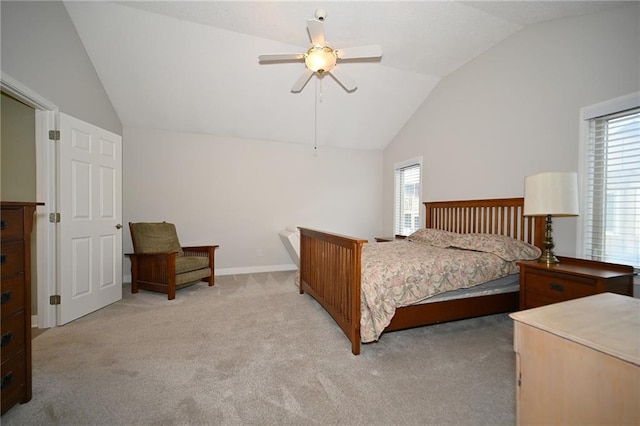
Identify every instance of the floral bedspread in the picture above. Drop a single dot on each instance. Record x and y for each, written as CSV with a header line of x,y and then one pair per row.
x,y
401,273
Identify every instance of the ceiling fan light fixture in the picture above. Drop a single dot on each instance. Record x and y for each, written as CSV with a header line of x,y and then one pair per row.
x,y
320,59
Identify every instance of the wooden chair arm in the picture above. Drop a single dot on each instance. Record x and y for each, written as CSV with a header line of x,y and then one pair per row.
x,y
143,255
154,260
199,249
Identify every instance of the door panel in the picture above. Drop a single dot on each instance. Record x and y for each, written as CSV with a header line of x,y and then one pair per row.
x,y
90,244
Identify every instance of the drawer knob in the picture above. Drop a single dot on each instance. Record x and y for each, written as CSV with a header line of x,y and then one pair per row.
x,y
556,287
3,259
5,297
7,379
3,225
6,339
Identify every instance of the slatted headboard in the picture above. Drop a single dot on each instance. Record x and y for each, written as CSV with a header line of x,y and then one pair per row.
x,y
502,216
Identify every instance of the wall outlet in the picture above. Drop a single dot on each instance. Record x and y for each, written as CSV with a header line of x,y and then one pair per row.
x,y
259,252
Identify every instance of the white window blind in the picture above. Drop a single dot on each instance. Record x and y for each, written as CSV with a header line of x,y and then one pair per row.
x,y
611,231
407,197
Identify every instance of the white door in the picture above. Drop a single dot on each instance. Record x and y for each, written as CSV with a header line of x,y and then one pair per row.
x,y
90,230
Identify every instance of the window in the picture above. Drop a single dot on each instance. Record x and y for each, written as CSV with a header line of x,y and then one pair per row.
x,y
611,187
407,197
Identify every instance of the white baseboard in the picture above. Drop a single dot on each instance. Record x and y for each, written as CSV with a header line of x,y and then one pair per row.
x,y
256,269
241,270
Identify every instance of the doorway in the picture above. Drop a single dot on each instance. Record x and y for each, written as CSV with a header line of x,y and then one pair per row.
x,y
45,183
18,169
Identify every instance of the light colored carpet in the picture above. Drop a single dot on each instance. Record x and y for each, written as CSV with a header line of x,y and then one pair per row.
x,y
252,350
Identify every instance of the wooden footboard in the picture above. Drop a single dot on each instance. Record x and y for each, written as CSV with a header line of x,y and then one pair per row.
x,y
330,273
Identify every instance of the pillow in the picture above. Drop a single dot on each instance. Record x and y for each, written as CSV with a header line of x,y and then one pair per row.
x,y
433,237
502,246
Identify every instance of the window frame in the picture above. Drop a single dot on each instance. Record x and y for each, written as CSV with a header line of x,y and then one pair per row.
x,y
416,161
608,107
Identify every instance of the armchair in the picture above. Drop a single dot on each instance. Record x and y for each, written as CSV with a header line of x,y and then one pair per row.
x,y
159,263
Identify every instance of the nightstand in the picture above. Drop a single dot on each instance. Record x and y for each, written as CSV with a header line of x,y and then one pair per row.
x,y
387,239
542,284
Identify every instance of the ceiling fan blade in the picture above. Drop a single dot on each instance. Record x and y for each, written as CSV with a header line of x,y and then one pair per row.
x,y
281,57
373,51
344,80
302,81
316,32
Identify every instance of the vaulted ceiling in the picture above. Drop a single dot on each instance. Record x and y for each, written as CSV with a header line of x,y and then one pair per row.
x,y
193,66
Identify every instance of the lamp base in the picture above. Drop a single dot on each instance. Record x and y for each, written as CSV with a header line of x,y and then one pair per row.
x,y
547,255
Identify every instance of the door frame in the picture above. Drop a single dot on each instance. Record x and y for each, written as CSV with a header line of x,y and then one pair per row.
x,y
47,118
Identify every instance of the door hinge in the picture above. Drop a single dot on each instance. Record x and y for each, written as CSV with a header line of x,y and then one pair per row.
x,y
54,135
54,300
54,217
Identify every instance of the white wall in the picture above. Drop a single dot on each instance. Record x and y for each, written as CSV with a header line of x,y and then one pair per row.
x,y
514,110
240,193
42,50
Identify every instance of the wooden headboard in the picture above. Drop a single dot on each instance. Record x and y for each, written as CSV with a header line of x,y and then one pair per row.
x,y
502,216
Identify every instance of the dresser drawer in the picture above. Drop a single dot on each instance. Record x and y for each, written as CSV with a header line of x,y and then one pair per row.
x,y
11,224
13,375
12,335
12,258
12,295
560,286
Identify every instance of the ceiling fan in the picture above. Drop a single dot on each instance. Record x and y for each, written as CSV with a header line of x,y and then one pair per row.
x,y
321,58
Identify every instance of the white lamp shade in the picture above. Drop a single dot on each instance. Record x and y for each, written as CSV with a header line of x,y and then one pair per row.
x,y
551,193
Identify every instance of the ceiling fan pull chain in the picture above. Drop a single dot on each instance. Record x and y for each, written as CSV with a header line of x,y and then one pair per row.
x,y
315,121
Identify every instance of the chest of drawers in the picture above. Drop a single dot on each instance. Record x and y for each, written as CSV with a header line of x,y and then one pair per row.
x,y
542,284
578,362
16,221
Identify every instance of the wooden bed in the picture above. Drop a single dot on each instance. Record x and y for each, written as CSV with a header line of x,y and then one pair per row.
x,y
330,265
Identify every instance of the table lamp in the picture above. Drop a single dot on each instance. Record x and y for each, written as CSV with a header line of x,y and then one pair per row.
x,y
550,194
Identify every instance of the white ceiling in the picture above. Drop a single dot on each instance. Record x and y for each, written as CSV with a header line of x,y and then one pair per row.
x,y
193,66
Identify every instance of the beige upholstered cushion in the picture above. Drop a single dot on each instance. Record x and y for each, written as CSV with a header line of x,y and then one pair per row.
x,y
188,278
155,238
190,263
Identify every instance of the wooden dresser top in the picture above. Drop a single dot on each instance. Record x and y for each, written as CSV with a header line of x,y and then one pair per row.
x,y
607,322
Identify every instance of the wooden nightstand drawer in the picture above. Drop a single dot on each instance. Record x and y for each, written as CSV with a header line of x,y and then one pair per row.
x,y
534,300
559,286
389,239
